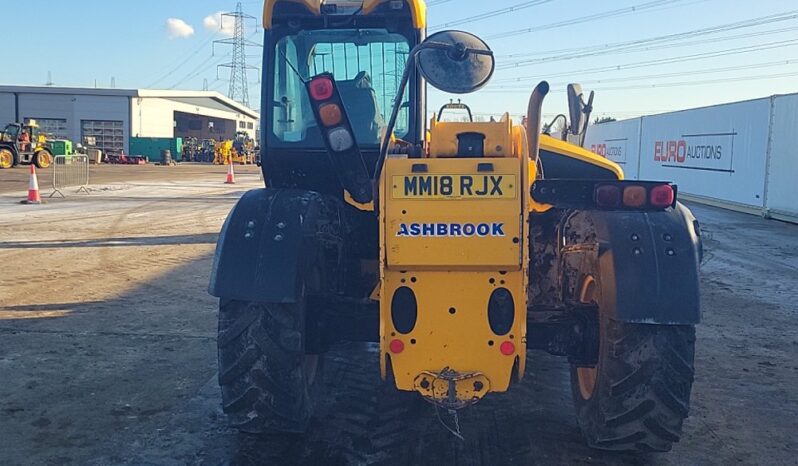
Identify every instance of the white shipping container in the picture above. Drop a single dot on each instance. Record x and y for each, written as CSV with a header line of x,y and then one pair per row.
x,y
714,152
782,173
618,141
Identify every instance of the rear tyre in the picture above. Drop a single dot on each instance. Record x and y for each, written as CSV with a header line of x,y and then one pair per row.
x,y
268,382
6,159
42,159
638,395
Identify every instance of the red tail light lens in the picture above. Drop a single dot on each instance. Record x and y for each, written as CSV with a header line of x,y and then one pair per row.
x,y
396,346
608,196
321,88
507,348
635,196
662,196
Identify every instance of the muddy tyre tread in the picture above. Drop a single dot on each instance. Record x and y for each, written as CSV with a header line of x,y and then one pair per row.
x,y
261,368
643,389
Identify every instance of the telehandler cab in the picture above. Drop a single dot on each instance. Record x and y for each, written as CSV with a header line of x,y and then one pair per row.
x,y
458,246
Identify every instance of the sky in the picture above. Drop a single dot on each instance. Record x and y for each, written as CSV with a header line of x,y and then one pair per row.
x,y
640,56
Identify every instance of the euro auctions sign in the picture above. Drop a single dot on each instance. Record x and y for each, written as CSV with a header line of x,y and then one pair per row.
x,y
614,150
707,151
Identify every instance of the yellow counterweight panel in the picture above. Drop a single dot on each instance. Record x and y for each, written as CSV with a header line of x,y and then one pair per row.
x,y
452,329
452,271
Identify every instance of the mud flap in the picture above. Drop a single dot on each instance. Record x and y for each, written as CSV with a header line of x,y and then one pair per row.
x,y
649,263
264,243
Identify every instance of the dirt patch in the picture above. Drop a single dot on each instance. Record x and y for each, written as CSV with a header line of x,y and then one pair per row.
x,y
108,353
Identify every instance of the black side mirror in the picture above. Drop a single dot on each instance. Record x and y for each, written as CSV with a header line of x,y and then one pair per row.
x,y
579,110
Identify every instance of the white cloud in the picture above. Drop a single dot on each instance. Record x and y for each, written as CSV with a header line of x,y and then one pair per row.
x,y
178,29
215,23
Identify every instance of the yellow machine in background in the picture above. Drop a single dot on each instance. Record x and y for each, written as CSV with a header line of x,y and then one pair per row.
x,y
240,151
24,143
223,153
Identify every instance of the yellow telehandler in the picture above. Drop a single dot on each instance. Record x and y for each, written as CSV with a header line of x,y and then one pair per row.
x,y
460,247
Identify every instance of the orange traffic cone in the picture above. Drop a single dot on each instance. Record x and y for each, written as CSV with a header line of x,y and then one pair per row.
x,y
33,188
231,176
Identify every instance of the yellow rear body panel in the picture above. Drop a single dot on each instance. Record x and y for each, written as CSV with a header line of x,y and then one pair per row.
x,y
453,231
430,230
461,340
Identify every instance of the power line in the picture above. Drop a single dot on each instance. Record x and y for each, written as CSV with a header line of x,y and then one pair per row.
x,y
201,68
671,84
670,60
182,63
584,19
490,14
770,64
665,41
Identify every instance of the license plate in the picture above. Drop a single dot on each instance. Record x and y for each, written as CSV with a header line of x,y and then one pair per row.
x,y
454,187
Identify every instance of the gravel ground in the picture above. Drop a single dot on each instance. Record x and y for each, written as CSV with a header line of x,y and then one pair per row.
x,y
107,348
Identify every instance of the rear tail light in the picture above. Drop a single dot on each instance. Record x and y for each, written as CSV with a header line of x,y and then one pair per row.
x,y
340,140
321,88
608,196
330,114
604,195
635,196
662,196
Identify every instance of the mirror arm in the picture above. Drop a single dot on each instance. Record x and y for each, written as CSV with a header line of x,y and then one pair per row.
x,y
386,142
588,112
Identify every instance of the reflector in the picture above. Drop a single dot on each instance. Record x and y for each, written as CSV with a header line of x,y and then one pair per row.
x,y
507,348
321,88
662,196
396,346
634,196
608,196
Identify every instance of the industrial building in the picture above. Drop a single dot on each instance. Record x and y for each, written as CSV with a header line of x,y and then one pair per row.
x,y
113,116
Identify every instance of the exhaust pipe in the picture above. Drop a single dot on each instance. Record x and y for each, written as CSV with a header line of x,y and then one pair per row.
x,y
533,119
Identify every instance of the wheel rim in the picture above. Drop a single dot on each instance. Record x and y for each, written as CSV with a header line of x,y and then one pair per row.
x,y
44,159
6,159
587,376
